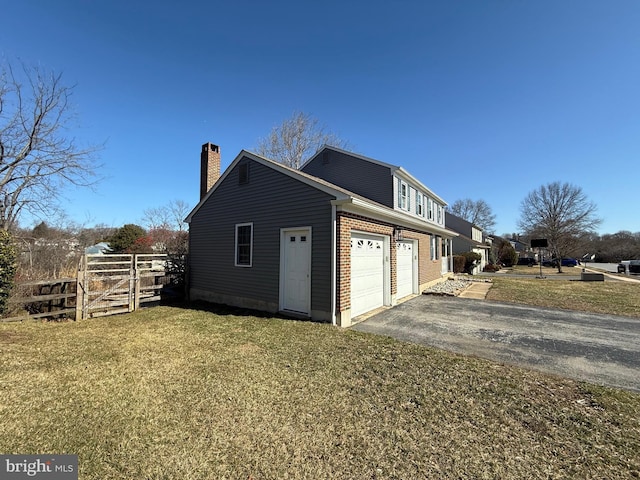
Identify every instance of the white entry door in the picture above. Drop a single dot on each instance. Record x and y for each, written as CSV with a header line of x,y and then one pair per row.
x,y
367,273
405,255
295,271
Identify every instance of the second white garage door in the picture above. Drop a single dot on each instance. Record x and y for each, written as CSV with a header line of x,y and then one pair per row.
x,y
404,262
367,273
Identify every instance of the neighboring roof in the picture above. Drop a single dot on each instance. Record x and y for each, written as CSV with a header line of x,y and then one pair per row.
x,y
459,219
395,169
342,196
98,248
472,242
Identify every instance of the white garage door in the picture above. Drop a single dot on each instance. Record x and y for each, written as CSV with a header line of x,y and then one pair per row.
x,y
367,273
404,263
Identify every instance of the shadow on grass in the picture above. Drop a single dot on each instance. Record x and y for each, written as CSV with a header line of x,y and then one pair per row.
x,y
229,310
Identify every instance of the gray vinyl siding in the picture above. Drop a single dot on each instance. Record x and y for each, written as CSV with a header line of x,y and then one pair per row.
x,y
359,176
271,200
458,224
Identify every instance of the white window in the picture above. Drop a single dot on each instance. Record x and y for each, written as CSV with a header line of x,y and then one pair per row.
x,y
403,195
439,214
429,209
435,243
244,244
419,204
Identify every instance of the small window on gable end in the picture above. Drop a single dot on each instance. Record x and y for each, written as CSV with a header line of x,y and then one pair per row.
x,y
243,173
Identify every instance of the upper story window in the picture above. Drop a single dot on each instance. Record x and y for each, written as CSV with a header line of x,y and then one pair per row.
x,y
422,205
419,204
403,195
244,244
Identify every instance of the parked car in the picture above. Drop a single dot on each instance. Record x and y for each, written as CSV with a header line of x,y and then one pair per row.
x,y
527,261
570,262
566,262
634,266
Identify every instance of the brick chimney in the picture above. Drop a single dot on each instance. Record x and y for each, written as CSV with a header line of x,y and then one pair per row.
x,y
209,167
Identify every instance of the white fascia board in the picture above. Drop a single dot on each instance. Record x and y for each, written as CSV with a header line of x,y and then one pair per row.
x,y
376,212
404,175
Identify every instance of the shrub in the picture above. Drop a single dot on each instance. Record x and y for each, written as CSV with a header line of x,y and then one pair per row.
x,y
126,237
8,257
507,255
458,263
470,259
491,267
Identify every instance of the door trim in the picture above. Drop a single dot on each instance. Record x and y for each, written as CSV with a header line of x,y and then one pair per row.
x,y
415,258
283,235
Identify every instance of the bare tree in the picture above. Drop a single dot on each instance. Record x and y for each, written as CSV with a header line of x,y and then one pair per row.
x,y
37,154
296,140
477,212
561,213
170,216
167,227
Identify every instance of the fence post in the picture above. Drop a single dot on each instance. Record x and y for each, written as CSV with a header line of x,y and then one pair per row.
x,y
136,287
132,273
80,281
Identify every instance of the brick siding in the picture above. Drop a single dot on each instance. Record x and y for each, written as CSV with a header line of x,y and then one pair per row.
x,y
428,270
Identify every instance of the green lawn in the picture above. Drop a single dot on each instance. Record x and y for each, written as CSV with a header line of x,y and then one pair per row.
x,y
170,393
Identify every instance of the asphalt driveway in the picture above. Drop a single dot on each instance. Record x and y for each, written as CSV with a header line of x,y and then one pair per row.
x,y
602,349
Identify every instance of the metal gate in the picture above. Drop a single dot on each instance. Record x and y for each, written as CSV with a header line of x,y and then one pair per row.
x,y
118,283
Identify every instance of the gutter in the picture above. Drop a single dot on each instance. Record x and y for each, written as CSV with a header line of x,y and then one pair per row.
x,y
383,213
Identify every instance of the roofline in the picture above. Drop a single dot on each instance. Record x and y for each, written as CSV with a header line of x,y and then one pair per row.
x,y
301,176
343,197
393,168
352,154
414,180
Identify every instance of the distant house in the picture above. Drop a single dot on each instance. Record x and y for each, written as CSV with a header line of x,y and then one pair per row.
x,y
340,237
522,249
470,239
97,249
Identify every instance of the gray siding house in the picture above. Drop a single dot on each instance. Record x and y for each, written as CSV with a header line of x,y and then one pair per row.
x,y
339,238
470,239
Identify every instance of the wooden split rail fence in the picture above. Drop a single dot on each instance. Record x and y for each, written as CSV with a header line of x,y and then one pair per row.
x,y
106,285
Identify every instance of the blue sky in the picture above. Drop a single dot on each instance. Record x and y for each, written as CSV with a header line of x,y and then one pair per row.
x,y
478,99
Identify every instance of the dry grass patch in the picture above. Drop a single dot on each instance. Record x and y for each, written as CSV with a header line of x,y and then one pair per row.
x,y
546,271
609,297
172,393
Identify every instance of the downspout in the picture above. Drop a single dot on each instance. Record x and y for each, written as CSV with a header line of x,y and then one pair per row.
x,y
334,266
